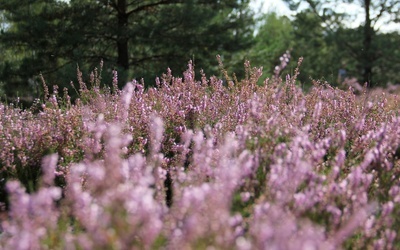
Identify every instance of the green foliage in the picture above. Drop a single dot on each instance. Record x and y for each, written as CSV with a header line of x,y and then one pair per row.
x,y
361,50
318,50
274,36
140,39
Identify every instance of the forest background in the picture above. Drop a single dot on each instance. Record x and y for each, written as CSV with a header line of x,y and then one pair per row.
x,y
141,39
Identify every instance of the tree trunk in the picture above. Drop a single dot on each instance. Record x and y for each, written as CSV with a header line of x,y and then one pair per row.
x,y
367,58
122,39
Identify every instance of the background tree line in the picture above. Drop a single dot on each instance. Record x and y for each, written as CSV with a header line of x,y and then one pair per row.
x,y
141,39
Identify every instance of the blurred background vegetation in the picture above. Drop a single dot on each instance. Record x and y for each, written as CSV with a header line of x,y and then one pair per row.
x,y
142,38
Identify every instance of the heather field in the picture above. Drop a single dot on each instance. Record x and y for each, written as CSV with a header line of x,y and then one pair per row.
x,y
198,162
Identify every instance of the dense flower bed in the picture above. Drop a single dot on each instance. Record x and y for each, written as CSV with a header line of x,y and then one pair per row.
x,y
192,164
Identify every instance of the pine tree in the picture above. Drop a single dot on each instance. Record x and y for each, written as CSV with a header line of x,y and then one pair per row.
x,y
140,39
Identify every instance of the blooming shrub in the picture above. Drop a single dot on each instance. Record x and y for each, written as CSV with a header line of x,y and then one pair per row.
x,y
192,164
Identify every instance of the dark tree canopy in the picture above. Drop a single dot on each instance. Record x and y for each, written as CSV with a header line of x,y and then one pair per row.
x,y
140,39
334,20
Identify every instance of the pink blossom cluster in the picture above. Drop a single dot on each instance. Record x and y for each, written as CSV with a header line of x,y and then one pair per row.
x,y
284,61
194,164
